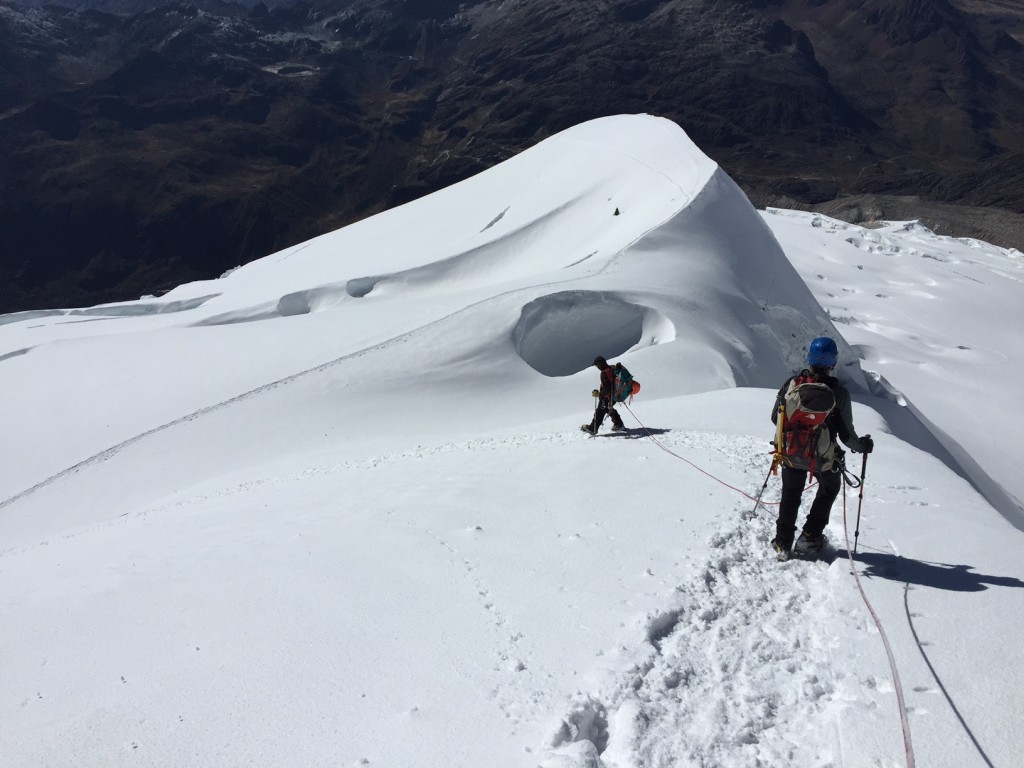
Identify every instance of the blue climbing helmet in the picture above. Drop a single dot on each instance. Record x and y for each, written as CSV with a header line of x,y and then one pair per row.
x,y
822,352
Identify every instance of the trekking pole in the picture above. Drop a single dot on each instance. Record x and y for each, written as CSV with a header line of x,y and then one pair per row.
x,y
776,456
757,501
860,501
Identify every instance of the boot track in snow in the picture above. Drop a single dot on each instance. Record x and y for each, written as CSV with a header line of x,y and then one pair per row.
x,y
736,672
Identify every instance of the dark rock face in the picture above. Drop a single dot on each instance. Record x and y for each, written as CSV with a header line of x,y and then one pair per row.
x,y
145,149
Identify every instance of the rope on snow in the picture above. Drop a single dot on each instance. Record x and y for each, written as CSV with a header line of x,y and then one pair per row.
x,y
907,745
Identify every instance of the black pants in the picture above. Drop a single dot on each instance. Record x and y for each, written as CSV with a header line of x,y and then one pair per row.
x,y
605,407
793,482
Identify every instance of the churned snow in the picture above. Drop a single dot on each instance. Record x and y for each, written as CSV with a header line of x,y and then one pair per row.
x,y
334,508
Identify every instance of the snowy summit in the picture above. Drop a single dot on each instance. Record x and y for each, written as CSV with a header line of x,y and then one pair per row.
x,y
335,509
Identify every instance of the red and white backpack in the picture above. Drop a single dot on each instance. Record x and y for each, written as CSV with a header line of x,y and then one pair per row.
x,y
806,441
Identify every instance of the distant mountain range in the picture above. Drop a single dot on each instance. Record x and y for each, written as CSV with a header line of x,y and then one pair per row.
x,y
144,145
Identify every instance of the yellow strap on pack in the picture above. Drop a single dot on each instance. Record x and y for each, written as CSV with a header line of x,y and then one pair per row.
x,y
780,422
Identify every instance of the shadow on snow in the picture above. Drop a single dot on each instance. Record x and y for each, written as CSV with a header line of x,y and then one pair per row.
x,y
954,578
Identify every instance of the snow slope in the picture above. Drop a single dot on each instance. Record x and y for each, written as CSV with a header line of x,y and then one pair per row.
x,y
334,507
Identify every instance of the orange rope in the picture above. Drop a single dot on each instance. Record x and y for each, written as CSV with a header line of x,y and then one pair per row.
x,y
654,440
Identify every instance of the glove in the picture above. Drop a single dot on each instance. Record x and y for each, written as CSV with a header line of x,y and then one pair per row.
x,y
867,445
595,393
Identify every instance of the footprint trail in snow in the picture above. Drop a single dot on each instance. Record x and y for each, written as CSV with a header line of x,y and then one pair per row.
x,y
736,672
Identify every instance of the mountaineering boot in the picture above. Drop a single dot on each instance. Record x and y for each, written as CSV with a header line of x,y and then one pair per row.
x,y
619,428
806,543
781,549
589,429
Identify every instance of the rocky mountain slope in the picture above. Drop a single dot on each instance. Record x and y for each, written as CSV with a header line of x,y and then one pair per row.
x,y
144,148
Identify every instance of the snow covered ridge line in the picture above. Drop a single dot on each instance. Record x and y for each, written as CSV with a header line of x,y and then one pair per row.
x,y
514,219
184,305
115,449
907,422
888,237
141,308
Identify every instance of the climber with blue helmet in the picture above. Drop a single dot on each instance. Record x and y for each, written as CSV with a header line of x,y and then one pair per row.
x,y
816,398
822,353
